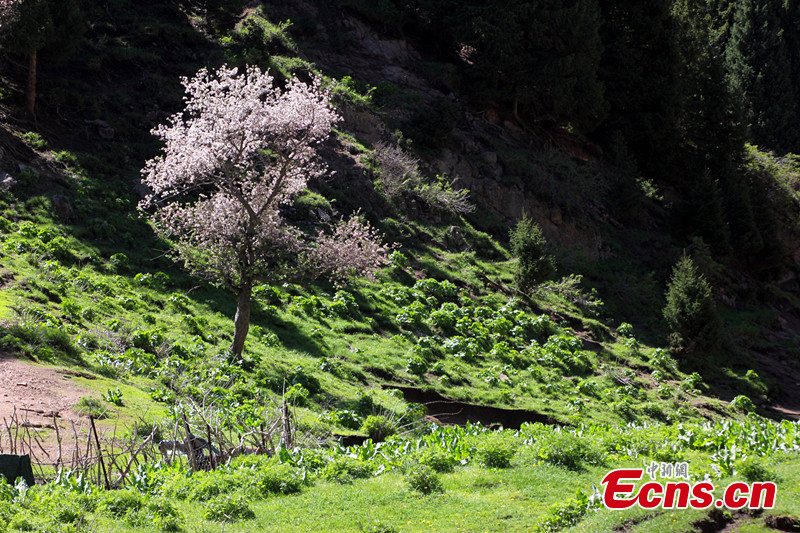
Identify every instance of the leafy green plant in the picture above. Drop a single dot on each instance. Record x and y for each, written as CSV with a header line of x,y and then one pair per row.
x,y
438,459
35,140
228,508
743,404
496,450
378,427
423,479
88,406
114,396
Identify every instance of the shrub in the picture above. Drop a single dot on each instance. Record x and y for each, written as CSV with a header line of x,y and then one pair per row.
x,y
496,450
378,427
424,480
743,404
530,248
278,479
88,406
753,470
437,459
570,451
417,366
228,508
114,396
345,469
560,516
399,178
34,140
121,503
691,313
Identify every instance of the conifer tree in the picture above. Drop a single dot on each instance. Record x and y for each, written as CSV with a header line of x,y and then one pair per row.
x,y
54,25
691,312
638,69
530,247
759,62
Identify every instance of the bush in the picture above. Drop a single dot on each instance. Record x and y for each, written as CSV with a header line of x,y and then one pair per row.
x,y
530,248
378,427
88,406
753,470
424,480
121,503
278,479
743,404
228,508
691,313
560,516
496,450
437,459
346,469
567,450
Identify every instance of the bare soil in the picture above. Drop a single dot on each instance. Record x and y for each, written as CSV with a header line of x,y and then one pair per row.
x,y
39,397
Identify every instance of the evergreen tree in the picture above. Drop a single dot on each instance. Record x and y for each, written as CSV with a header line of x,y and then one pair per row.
x,y
691,312
712,136
638,69
537,58
50,25
530,247
759,62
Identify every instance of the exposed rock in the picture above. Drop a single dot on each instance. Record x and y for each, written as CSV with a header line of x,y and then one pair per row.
x,y
6,181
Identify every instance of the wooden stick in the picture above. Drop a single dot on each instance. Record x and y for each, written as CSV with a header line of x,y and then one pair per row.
x,y
99,452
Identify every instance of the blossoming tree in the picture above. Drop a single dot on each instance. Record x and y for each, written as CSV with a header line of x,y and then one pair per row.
x,y
240,152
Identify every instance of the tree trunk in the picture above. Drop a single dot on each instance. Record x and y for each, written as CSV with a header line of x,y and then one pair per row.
x,y
30,91
242,320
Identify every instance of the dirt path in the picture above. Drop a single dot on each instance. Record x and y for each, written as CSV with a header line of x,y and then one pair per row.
x,y
40,396
36,390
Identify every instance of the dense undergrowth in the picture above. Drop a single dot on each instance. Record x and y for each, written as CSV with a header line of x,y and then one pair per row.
x,y
434,465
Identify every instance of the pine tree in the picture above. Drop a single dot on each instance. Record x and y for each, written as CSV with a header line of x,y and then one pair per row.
x,y
691,312
530,247
712,135
639,69
759,61
538,59
54,26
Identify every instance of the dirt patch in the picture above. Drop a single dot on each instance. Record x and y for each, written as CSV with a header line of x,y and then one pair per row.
x,y
449,411
782,523
37,393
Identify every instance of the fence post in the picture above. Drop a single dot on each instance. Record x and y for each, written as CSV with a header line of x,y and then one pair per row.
x,y
99,452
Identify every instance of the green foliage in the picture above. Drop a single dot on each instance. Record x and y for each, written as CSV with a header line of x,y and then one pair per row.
x,y
378,427
437,459
423,479
743,404
114,396
88,406
691,312
754,470
568,450
563,515
228,508
530,248
35,140
496,450
346,469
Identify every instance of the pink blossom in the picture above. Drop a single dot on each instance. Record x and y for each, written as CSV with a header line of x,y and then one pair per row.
x,y
241,149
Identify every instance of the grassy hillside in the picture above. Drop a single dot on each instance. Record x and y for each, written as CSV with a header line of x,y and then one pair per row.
x,y
86,285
